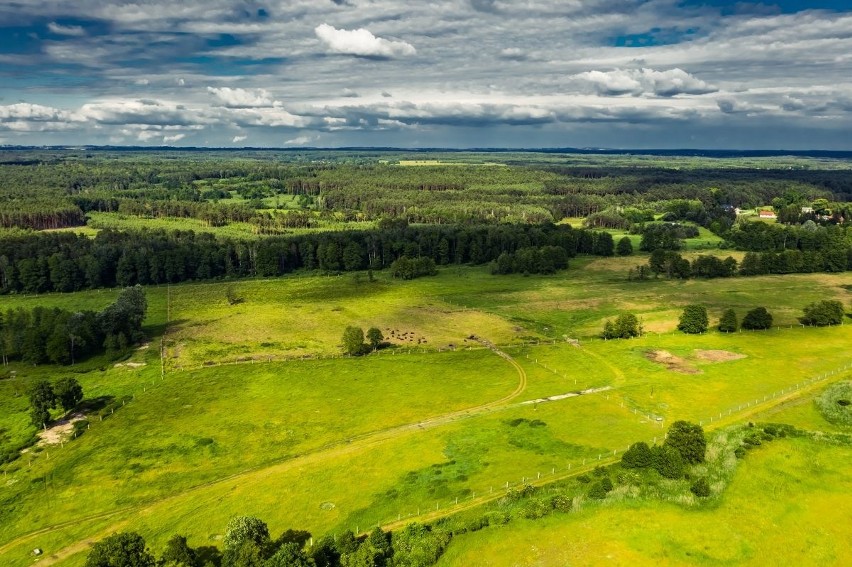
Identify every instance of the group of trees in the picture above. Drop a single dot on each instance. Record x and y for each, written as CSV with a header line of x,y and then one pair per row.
x,y
544,260
625,326
694,318
44,396
247,543
353,340
42,262
673,265
406,268
685,444
58,336
665,236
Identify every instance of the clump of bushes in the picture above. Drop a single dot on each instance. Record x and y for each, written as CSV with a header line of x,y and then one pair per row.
x,y
758,319
823,313
625,326
700,488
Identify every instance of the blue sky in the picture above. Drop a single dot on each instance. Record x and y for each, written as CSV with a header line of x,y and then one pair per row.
x,y
446,73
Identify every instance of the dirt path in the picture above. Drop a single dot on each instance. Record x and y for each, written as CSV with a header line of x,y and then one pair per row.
x,y
336,449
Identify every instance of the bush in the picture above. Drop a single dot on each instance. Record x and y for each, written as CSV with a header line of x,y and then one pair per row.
x,y
700,488
628,478
835,404
561,503
597,491
693,320
584,478
127,548
740,452
758,319
599,471
688,440
606,483
823,313
638,456
406,268
624,247
536,508
668,462
728,322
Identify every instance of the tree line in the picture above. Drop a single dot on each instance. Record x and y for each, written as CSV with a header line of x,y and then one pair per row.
x,y
64,262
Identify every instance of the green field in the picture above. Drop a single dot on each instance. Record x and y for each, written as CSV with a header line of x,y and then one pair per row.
x,y
259,414
788,504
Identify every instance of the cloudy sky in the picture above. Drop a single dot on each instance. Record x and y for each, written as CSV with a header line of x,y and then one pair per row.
x,y
441,73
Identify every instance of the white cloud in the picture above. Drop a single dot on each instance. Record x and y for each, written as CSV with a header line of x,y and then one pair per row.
x,y
667,83
242,98
173,139
238,139
362,43
301,140
59,29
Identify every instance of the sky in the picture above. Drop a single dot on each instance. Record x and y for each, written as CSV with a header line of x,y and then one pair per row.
x,y
440,73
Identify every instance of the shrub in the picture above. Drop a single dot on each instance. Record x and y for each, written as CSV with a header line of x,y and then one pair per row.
x,y
688,440
834,404
823,313
606,483
740,452
599,471
700,488
627,477
668,462
561,503
584,478
536,508
624,247
728,322
597,491
638,456
757,319
693,320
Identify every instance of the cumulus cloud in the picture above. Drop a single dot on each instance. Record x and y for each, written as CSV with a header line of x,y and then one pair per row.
x,y
238,139
242,98
637,82
361,43
301,140
174,138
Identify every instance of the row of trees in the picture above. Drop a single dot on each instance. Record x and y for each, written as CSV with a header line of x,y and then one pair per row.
x,y
673,265
247,543
58,336
38,262
353,340
694,320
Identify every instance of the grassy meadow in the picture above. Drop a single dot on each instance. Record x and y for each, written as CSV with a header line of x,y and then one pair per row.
x,y
788,504
258,414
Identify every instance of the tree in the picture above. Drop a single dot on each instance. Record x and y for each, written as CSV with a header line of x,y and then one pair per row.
x,y
246,528
289,555
42,400
693,320
823,313
69,393
624,247
375,337
728,322
638,456
126,549
353,341
178,553
626,326
757,319
688,440
667,461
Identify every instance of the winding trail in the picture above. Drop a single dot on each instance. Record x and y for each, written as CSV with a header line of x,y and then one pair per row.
x,y
335,449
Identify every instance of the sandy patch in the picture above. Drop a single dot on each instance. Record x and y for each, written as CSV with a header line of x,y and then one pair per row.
x,y
59,432
718,355
671,362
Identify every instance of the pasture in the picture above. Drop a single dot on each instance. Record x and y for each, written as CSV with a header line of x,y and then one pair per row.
x,y
258,414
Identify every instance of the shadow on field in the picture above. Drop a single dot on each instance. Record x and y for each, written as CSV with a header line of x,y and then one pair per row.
x,y
95,404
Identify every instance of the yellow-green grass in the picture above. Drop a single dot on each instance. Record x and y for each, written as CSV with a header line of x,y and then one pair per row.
x,y
143,462
788,504
196,427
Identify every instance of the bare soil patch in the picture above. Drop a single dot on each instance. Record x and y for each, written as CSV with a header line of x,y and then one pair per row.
x,y
718,355
59,432
671,362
